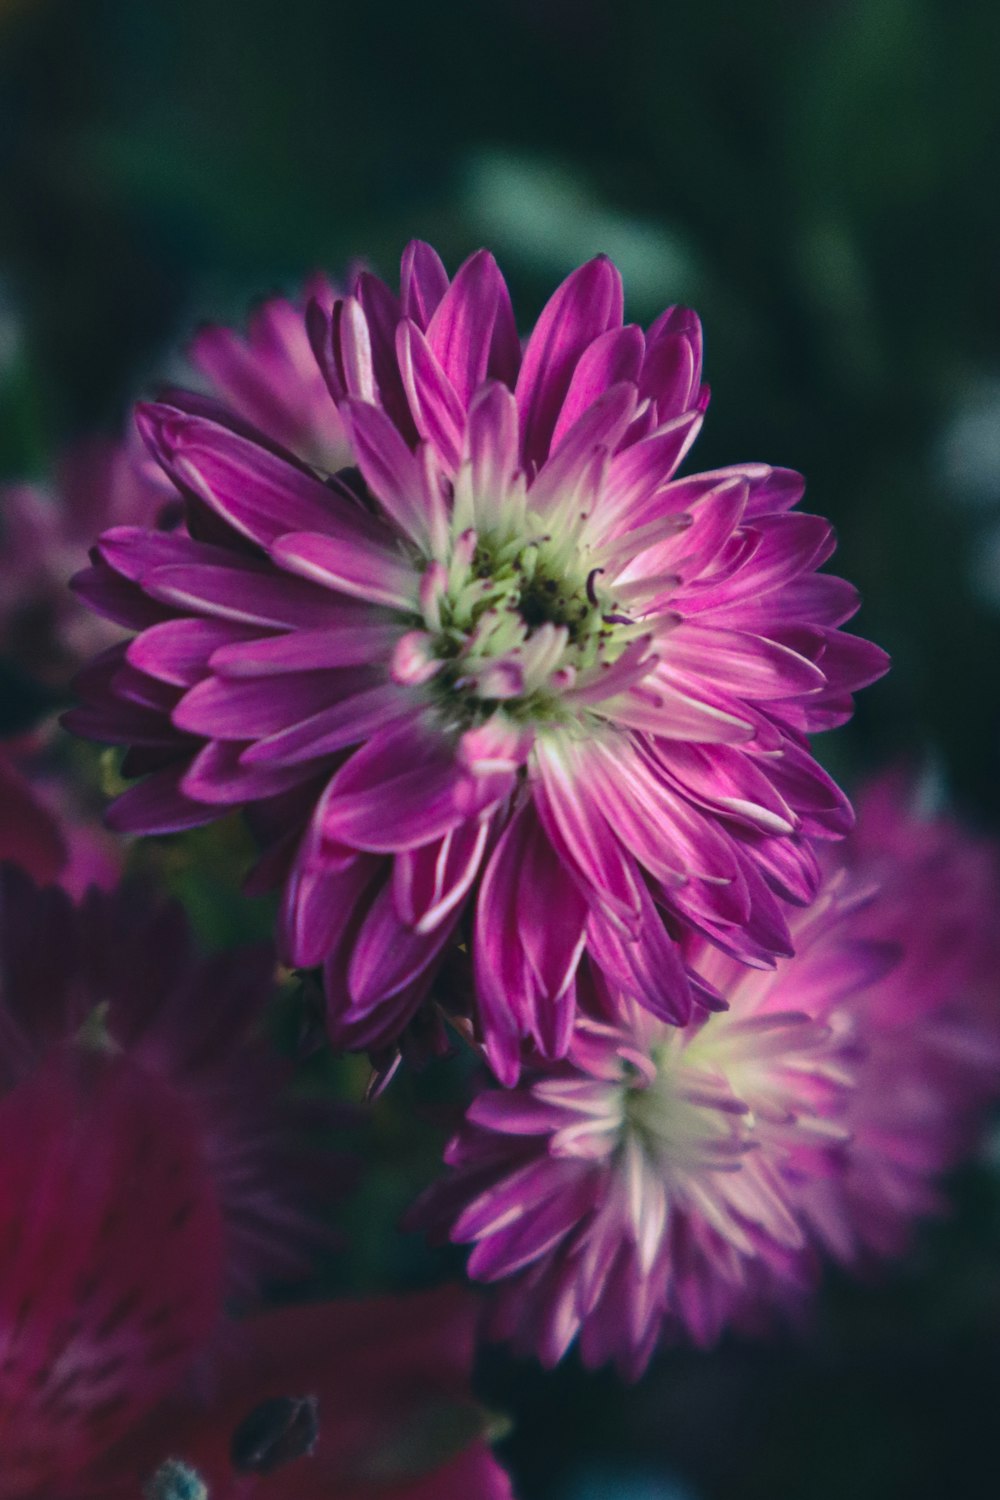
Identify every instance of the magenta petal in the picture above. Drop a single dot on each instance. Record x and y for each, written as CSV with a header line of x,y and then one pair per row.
x,y
217,775
371,1029
817,597
395,478
786,547
319,320
552,931
158,805
579,830
823,809
129,685
770,489
353,350
317,905
518,1196
514,1113
375,574
460,332
241,591
423,282
722,778
648,965
669,838
671,371
849,662
430,881
504,991
612,358
587,304
135,552
352,637
271,378
242,708
601,425
387,956
436,409
530,1236
348,722
492,441
791,869
397,792
257,493
640,471
740,663
178,651
114,597
382,312
120,724
665,703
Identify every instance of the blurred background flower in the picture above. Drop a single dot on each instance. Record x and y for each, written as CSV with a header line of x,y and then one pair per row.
x,y
818,179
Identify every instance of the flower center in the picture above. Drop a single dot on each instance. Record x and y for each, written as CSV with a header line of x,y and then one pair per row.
x,y
517,623
684,1116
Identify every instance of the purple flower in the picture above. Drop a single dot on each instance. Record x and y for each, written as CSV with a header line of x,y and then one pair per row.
x,y
507,681
663,1182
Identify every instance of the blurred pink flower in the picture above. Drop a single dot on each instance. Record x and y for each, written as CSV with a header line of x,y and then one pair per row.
x,y
932,1026
395,1418
122,970
664,1182
157,1169
509,681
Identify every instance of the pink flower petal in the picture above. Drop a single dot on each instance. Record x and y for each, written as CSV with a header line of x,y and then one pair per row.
x,y
377,575
460,333
352,637
423,282
587,304
613,357
178,651
396,479
434,404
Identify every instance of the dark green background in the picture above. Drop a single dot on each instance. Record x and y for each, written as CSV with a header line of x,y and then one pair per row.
x,y
820,179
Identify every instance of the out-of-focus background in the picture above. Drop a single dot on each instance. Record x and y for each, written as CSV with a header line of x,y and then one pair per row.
x,y
819,178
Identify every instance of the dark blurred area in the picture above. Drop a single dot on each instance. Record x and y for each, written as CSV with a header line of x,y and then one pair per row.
x,y
818,178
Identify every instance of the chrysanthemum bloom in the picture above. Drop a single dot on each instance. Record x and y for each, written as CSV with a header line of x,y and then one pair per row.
x,y
366,1400
663,1182
509,679
932,1026
147,1170
268,378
